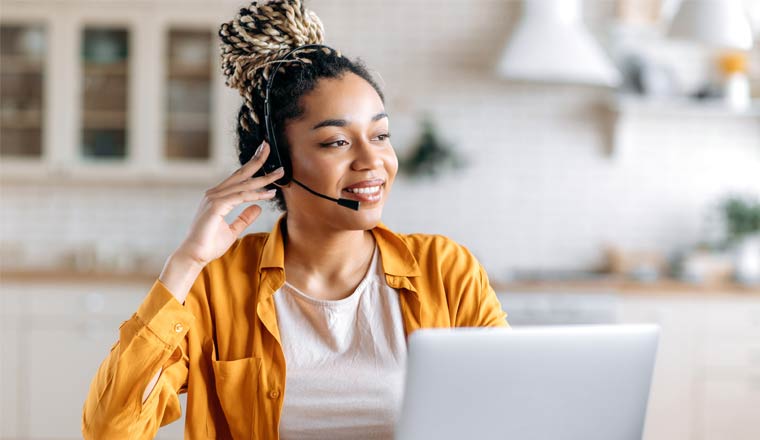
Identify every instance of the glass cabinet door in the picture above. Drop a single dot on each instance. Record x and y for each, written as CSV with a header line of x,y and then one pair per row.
x,y
105,57
22,61
188,85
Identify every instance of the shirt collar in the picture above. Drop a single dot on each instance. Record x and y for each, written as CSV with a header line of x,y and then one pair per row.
x,y
396,256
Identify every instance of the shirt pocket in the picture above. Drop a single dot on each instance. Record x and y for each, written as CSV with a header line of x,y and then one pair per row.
x,y
236,386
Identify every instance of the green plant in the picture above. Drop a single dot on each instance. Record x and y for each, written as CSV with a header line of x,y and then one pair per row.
x,y
430,156
742,216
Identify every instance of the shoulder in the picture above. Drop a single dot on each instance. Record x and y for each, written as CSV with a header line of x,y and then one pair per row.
x,y
440,253
435,244
454,283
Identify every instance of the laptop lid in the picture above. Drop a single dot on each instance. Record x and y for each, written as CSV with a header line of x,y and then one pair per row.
x,y
588,382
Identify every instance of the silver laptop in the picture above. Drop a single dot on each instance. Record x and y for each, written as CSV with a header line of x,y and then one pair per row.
x,y
584,382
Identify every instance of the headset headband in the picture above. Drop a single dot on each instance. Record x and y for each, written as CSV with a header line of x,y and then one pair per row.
x,y
267,110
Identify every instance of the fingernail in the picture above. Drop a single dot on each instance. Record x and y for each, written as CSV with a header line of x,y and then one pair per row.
x,y
258,150
279,171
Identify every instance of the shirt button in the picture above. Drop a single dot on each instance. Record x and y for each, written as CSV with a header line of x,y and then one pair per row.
x,y
178,328
274,394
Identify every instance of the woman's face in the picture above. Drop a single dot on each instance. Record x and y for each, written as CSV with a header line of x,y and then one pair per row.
x,y
340,148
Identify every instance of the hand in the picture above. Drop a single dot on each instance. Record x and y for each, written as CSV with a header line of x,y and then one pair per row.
x,y
210,236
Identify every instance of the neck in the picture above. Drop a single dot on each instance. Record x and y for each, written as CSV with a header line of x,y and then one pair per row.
x,y
317,252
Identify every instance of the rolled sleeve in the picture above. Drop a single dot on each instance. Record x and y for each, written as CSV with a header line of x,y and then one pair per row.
x,y
164,316
155,337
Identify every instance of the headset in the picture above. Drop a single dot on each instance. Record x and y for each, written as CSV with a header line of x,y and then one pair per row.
x,y
275,159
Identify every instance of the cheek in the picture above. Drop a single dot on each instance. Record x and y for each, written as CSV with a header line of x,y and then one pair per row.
x,y
316,168
305,163
391,163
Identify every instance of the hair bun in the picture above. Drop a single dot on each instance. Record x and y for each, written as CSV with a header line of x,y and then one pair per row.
x,y
261,33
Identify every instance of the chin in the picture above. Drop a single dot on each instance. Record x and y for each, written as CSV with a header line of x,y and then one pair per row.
x,y
361,220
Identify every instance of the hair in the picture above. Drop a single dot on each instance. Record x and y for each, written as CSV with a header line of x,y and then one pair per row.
x,y
260,35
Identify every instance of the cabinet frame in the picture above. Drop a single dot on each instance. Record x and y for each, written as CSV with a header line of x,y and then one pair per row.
x,y
148,25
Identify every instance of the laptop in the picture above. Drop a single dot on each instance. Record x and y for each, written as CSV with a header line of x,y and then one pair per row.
x,y
584,382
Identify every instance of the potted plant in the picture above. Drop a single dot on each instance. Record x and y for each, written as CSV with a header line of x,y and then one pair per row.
x,y
430,155
741,215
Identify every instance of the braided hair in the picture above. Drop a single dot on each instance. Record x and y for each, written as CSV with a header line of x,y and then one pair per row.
x,y
260,35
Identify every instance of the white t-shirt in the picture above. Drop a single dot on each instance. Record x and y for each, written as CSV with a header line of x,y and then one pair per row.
x,y
345,361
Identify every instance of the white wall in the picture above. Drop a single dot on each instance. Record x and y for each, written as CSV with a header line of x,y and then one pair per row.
x,y
540,191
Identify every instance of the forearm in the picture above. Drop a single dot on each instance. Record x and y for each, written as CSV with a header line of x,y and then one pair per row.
x,y
114,404
179,274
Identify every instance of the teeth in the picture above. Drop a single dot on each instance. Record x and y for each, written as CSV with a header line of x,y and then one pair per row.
x,y
367,190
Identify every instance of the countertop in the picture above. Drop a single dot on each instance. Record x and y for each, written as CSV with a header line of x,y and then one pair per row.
x,y
625,286
605,284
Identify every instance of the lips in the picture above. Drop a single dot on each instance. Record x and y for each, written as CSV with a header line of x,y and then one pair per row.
x,y
366,195
367,191
366,184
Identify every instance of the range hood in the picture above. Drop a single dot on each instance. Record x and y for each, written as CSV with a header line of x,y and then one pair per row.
x,y
717,23
551,44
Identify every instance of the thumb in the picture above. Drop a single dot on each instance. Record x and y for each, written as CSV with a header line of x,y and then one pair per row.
x,y
245,219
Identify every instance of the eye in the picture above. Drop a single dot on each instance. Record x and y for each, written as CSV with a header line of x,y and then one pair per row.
x,y
328,144
384,136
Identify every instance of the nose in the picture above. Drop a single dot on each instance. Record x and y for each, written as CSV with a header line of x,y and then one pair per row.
x,y
367,156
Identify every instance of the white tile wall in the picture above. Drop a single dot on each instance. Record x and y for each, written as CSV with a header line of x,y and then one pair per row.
x,y
540,190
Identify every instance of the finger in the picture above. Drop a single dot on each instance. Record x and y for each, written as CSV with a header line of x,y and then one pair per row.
x,y
248,216
251,184
224,205
249,168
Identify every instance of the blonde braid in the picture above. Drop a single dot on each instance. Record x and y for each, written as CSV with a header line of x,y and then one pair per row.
x,y
259,36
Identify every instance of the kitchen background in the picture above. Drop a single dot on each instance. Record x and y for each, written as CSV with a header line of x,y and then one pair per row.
x,y
584,173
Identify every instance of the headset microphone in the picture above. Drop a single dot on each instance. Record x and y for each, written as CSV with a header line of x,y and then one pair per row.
x,y
274,161
353,204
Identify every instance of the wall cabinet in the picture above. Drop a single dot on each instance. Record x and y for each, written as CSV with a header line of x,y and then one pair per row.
x,y
115,91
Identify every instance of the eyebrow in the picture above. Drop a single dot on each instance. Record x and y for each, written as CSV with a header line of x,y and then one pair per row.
x,y
343,122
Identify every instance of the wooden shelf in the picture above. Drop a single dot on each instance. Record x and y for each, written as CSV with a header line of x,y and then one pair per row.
x,y
638,105
21,119
97,119
179,71
21,64
120,68
186,121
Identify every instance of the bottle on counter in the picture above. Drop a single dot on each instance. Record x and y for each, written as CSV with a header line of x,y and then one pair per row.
x,y
733,65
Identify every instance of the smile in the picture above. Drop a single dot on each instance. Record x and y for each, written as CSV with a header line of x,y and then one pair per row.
x,y
367,194
367,190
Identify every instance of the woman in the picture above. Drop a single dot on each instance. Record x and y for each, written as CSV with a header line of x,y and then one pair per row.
x,y
300,332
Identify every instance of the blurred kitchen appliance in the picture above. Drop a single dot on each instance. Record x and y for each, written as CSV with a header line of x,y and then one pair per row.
x,y
716,23
551,44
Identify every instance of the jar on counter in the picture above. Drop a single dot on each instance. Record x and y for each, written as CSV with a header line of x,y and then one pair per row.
x,y
736,85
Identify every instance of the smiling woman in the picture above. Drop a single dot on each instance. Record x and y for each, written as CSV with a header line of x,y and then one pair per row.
x,y
300,332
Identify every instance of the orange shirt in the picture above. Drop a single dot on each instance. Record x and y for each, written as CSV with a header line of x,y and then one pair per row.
x,y
222,346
